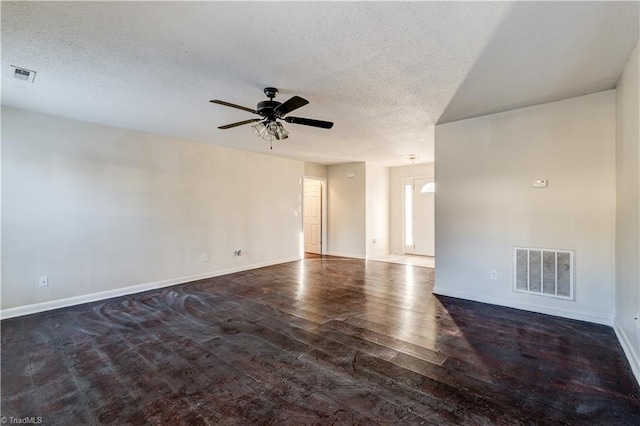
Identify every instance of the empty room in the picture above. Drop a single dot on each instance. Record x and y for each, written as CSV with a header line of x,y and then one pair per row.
x,y
320,213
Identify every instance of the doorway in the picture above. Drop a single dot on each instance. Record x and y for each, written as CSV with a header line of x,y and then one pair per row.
x,y
419,216
314,225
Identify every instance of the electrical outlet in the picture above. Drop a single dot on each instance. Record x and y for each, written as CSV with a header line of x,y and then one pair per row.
x,y
43,281
493,274
205,257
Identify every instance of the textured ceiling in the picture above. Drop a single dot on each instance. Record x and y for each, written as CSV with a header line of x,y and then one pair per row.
x,y
384,73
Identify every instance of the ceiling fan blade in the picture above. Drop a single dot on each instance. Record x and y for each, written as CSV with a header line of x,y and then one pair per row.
x,y
216,101
239,123
309,122
290,105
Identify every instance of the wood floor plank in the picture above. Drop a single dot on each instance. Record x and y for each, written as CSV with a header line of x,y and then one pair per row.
x,y
324,340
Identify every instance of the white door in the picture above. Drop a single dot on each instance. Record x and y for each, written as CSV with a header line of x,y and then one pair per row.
x,y
424,223
419,216
312,223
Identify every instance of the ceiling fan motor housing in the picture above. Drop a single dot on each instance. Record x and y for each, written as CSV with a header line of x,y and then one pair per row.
x,y
266,109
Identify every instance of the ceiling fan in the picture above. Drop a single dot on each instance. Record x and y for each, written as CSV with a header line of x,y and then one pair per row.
x,y
270,112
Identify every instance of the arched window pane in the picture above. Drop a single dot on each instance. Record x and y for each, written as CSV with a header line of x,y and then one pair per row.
x,y
428,187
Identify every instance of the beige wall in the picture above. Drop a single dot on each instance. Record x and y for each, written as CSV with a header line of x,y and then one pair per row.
x,y
396,175
377,210
628,210
100,209
315,170
347,209
485,204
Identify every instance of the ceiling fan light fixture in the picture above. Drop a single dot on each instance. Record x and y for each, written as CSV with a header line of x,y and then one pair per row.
x,y
266,134
272,128
281,132
259,128
412,158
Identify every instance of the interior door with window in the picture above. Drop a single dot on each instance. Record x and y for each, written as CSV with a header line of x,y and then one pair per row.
x,y
419,216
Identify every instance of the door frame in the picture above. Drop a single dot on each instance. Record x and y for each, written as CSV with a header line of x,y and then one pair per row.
x,y
404,182
323,212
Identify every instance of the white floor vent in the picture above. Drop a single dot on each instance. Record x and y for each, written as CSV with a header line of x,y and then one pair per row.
x,y
546,272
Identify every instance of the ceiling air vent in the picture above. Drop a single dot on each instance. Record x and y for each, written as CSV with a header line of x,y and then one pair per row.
x,y
23,74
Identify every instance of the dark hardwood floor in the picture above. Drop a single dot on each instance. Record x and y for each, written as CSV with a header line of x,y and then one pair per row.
x,y
319,341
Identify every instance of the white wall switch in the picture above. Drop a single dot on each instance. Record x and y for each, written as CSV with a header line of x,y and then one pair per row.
x,y
43,281
539,183
493,274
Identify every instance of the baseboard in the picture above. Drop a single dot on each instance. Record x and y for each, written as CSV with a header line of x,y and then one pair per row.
x,y
377,254
108,294
629,351
577,315
351,255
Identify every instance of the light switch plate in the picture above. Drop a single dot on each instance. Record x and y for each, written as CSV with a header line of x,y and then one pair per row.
x,y
539,183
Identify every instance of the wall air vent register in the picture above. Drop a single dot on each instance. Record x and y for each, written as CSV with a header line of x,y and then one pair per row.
x,y
545,272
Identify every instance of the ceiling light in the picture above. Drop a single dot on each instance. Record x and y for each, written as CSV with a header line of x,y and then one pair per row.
x,y
262,130
412,158
259,128
281,132
270,130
